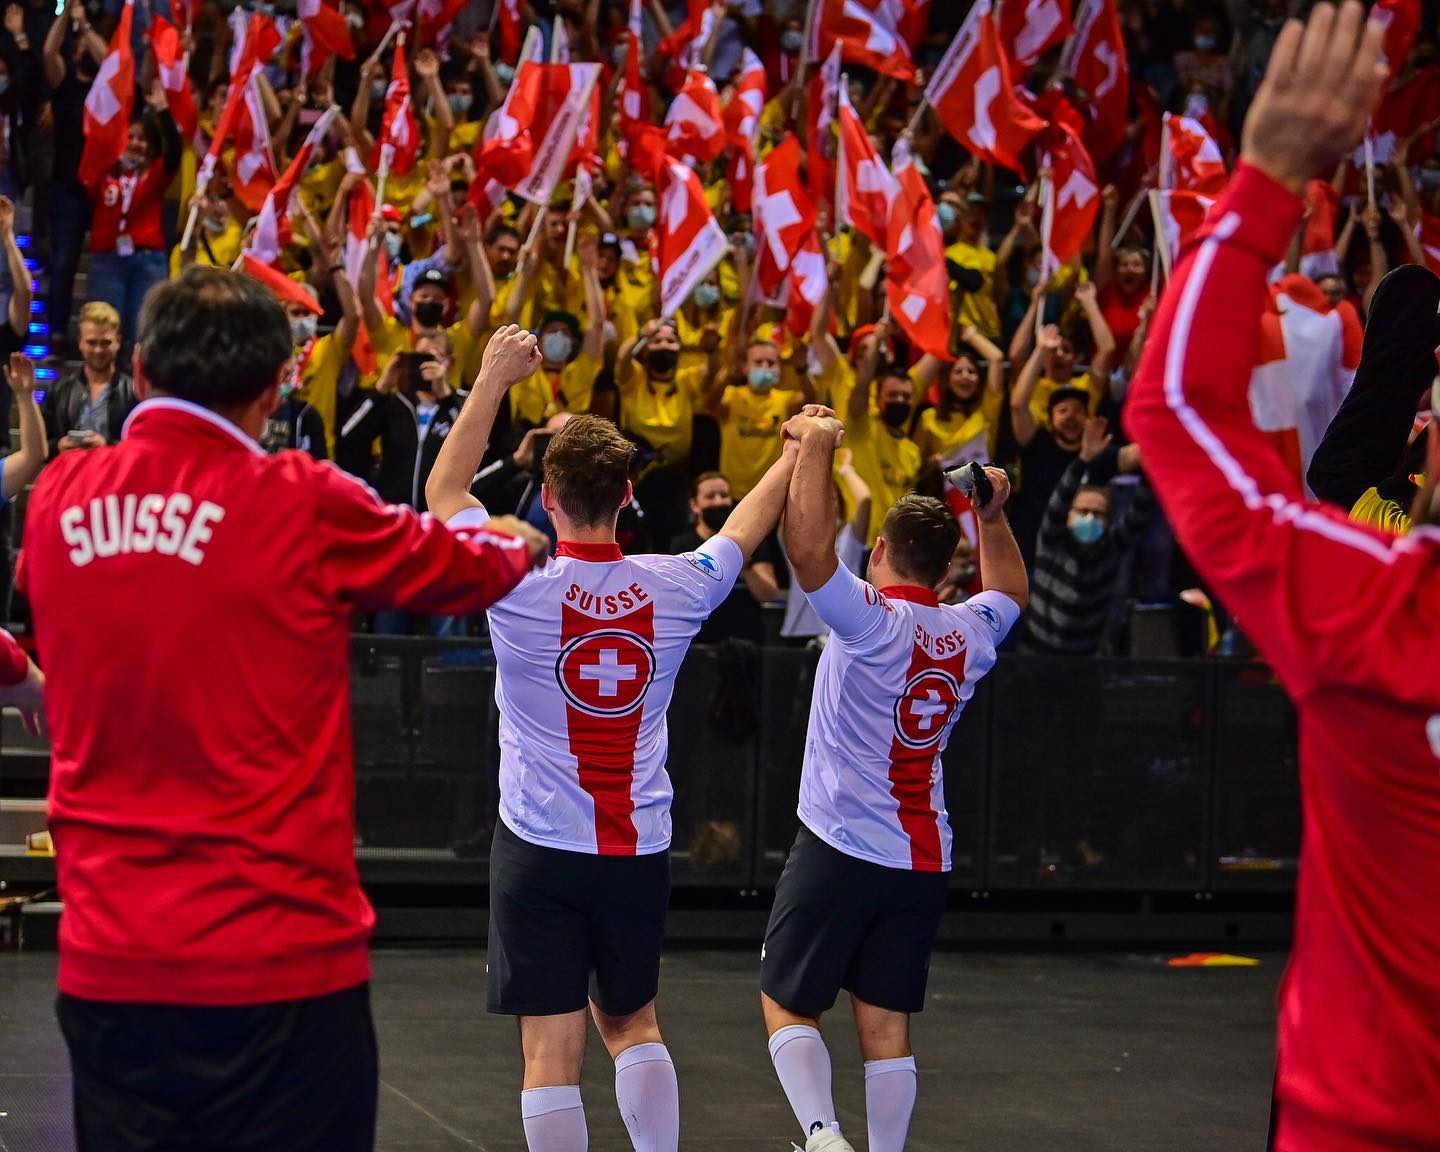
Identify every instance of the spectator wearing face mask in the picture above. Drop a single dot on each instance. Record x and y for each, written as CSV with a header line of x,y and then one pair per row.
x,y
88,405
739,616
620,322
570,357
887,459
964,422
749,405
1205,69
705,312
217,237
635,231
128,253
1078,555
659,400
314,380
1122,277
962,221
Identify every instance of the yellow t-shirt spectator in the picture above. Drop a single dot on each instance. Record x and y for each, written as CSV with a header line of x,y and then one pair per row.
x,y
394,338
545,394
320,381
889,465
960,438
1040,398
663,414
212,249
977,308
750,439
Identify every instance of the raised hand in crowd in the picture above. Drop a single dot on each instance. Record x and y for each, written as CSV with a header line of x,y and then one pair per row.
x,y
1095,439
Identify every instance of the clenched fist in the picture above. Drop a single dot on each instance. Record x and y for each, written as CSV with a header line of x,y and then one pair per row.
x,y
510,357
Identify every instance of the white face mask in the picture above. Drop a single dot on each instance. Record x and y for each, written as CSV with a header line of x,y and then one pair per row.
x,y
392,246
302,328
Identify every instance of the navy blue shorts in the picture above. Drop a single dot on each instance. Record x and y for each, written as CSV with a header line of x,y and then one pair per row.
x,y
841,922
568,928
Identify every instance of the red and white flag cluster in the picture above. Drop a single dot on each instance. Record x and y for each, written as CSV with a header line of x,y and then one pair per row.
x,y
691,243
108,104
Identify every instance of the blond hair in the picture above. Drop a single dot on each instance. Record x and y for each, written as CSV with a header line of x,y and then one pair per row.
x,y
101,314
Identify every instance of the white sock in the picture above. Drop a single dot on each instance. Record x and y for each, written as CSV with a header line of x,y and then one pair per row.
x,y
889,1100
649,1097
554,1119
803,1065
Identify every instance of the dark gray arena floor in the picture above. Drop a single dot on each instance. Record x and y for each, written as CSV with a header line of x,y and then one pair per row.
x,y
1089,1053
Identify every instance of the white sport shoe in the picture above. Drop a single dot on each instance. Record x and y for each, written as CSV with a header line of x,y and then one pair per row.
x,y
827,1140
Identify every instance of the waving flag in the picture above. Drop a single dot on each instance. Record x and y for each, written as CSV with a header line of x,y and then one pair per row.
x,y
1030,28
253,42
741,114
512,30
108,105
361,210
693,124
784,215
866,189
1178,218
1401,21
1072,197
691,243
805,286
1193,159
399,142
914,23
284,289
272,230
868,32
530,140
171,63
819,143
917,284
1317,242
686,43
634,101
972,94
434,19
325,34
1101,71
254,169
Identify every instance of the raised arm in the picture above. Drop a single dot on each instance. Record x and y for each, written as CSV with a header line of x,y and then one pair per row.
x,y
369,302
1105,246
477,317
810,510
510,356
23,466
1294,573
1022,420
588,250
755,517
21,293
1104,358
858,492
1002,568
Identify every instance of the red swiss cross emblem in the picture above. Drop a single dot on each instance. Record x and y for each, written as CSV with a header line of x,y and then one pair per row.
x,y
606,673
926,708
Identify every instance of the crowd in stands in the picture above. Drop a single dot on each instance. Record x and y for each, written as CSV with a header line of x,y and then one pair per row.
x,y
399,269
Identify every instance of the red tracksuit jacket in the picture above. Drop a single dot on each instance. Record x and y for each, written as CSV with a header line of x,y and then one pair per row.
x,y
1349,618
192,602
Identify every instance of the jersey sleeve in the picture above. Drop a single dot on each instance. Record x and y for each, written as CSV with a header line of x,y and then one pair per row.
x,y
996,612
1310,588
14,663
852,609
710,571
388,556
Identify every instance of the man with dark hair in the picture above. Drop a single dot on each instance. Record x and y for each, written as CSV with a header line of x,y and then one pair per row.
x,y
860,900
202,823
588,650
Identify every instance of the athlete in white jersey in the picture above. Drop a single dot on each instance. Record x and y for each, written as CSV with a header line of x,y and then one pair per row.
x,y
587,652
860,900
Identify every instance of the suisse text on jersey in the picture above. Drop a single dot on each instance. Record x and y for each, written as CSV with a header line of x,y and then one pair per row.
x,y
122,525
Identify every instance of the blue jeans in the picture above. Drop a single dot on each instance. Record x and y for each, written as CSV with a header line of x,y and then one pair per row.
x,y
122,281
69,219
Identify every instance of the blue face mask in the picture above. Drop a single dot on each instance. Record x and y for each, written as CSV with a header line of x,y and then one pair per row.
x,y
1204,43
706,295
1087,528
504,73
946,211
555,346
460,102
764,379
641,217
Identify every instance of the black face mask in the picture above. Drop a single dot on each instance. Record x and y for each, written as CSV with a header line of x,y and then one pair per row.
x,y
715,515
895,413
429,314
662,361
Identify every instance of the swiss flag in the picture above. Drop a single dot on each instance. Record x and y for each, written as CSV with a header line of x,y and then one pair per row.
x,y
255,41
511,29
971,93
784,215
1193,160
1403,109
742,110
866,189
434,19
1178,218
917,285
634,98
1401,21
806,286
326,34
1101,72
740,176
254,171
691,243
399,141
530,140
108,105
693,124
914,22
361,212
1309,350
1029,30
1072,196
819,146
171,62
286,290
868,32
272,230
1317,242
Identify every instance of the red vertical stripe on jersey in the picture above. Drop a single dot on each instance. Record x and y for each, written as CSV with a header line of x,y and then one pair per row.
x,y
911,766
604,745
